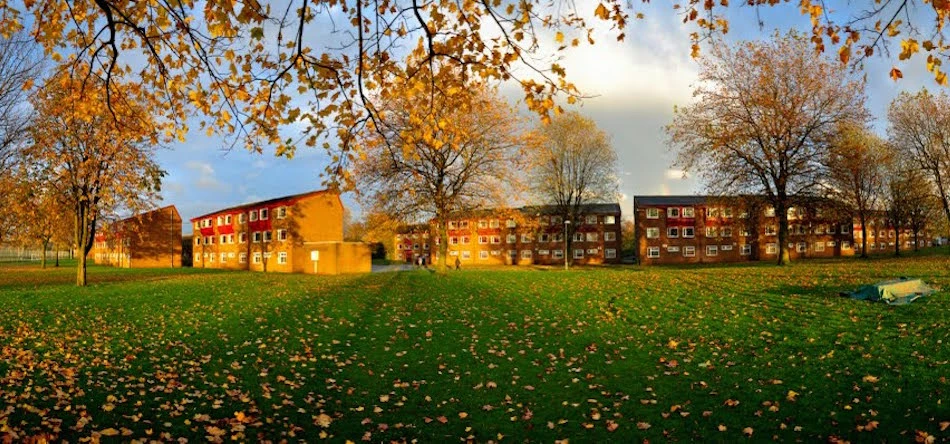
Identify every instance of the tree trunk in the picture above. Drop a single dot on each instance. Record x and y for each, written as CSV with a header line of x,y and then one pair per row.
x,y
442,265
56,250
864,236
782,213
897,241
85,228
916,240
44,245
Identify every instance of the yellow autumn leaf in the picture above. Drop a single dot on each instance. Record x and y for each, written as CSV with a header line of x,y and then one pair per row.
x,y
559,37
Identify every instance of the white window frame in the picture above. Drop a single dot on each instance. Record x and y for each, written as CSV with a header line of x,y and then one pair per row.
x,y
610,219
242,218
256,237
610,253
801,247
725,247
692,233
672,232
610,236
466,240
281,235
673,212
281,212
689,251
482,239
592,237
254,217
282,257
264,214
592,252
510,223
652,252
511,238
268,236
483,254
557,254
494,224
688,213
819,246
466,254
771,248
590,219
712,250
653,233
526,254
526,238
725,232
579,253
746,250
653,213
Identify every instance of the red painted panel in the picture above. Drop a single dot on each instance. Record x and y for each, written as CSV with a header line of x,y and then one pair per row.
x,y
259,225
207,231
226,229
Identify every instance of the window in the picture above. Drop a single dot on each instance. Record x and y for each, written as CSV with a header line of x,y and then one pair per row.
x,y
267,255
712,212
726,232
454,240
653,213
590,219
579,237
510,223
558,254
725,247
482,224
483,240
230,238
544,221
592,237
452,225
831,243
493,223
592,252
282,256
257,258
526,238
771,248
802,247
256,236
559,237
770,212
712,232
496,252
653,233
511,239
211,257
197,241
670,232
425,246
689,212
241,219
224,239
281,235
253,217
672,212
463,225
689,251
230,255
770,230
526,254
672,249
610,220
224,257
263,214
466,254
483,254
513,254
819,229
415,246
712,250
281,213
544,237
465,240
227,220
819,246
267,236
242,237
652,252
689,232
220,221
845,245
610,253
496,240
579,253
543,252
610,236
746,250
727,212
197,258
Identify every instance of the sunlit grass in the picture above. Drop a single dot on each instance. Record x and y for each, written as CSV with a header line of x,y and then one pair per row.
x,y
593,355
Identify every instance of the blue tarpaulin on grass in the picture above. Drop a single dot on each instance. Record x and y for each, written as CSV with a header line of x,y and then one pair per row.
x,y
896,292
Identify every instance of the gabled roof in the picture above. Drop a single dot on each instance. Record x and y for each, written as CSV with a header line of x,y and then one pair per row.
x,y
262,203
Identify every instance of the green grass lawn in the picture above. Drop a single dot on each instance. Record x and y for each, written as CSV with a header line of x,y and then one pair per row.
x,y
595,355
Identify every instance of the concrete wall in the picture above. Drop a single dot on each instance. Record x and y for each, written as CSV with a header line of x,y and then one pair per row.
x,y
333,258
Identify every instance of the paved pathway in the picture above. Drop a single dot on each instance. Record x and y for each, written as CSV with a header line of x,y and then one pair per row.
x,y
389,268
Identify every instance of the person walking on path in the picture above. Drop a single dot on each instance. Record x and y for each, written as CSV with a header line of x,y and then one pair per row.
x,y
458,264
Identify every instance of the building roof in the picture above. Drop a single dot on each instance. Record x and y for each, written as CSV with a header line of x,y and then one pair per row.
x,y
261,203
670,200
591,208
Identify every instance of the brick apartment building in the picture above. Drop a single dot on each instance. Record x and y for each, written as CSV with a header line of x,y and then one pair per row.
x,y
882,236
702,229
519,236
150,239
301,233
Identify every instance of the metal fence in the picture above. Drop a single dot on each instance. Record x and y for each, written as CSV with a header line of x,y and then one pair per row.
x,y
19,254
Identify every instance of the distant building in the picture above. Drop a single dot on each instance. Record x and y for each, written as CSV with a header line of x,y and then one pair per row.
x,y
301,233
519,236
151,239
694,229
882,237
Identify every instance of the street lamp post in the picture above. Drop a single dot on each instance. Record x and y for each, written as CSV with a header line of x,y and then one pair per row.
x,y
567,224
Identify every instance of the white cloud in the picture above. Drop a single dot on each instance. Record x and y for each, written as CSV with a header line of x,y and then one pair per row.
x,y
206,176
676,174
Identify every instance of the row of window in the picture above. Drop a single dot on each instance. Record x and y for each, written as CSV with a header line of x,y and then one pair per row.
x,y
591,219
257,236
882,233
242,257
770,230
745,250
609,253
720,212
253,215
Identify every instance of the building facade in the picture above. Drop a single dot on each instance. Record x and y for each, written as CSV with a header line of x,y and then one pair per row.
x,y
704,229
147,240
883,237
531,235
301,233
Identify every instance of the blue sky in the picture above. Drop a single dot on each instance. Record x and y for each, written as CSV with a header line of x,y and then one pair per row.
x,y
636,84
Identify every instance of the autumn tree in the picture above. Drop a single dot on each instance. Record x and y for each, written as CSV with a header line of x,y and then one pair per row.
x,y
20,65
855,164
919,128
909,200
40,213
432,155
96,158
764,114
571,164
